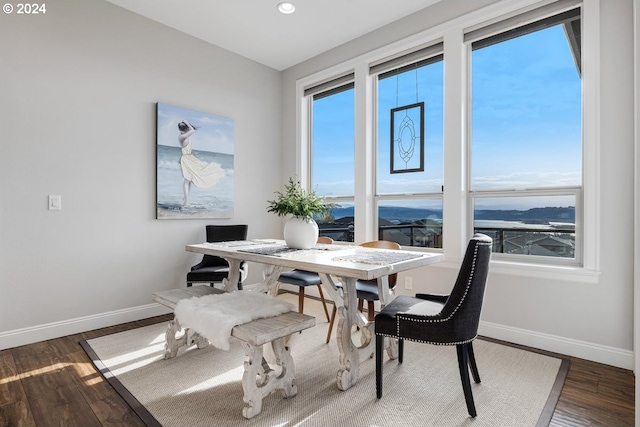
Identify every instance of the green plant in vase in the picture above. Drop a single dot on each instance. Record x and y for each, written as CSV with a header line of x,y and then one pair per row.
x,y
300,231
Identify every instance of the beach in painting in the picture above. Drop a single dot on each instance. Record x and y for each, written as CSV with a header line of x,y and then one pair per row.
x,y
214,202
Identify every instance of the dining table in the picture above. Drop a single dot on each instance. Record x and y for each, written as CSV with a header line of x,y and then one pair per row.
x,y
339,266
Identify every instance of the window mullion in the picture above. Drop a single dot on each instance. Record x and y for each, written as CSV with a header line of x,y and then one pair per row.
x,y
455,214
364,157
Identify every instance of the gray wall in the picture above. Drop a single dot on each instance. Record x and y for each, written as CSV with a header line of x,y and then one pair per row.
x,y
78,89
569,315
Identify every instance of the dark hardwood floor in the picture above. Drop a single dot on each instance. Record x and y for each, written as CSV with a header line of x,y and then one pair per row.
x,y
53,383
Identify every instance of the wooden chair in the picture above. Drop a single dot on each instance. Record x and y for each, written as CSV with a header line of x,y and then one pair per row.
x,y
302,279
367,290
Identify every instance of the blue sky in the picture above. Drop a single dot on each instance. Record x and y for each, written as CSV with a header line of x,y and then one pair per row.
x,y
214,133
526,121
526,113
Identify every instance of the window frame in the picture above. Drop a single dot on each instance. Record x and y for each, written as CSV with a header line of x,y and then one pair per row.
x,y
457,227
423,56
323,89
557,9
575,191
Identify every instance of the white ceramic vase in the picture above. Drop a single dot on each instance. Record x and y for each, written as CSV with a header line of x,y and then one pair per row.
x,y
300,233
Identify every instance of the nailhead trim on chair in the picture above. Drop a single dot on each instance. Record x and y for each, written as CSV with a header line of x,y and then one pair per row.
x,y
430,342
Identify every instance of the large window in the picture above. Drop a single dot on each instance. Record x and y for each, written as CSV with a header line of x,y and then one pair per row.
x,y
409,166
332,157
526,143
474,125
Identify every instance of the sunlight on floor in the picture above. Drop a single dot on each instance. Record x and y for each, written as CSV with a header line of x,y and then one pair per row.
x,y
231,376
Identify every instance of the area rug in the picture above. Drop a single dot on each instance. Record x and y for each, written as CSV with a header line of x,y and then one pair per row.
x,y
202,387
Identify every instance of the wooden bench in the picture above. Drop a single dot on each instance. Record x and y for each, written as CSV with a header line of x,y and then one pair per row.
x,y
259,379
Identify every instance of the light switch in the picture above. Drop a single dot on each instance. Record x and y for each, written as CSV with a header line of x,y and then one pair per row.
x,y
55,203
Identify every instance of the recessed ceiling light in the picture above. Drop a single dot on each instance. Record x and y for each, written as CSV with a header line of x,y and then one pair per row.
x,y
286,8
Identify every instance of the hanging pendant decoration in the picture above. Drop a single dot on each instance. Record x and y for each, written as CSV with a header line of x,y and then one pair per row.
x,y
406,137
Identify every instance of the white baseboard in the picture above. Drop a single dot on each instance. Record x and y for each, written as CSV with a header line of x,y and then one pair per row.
x,y
582,349
567,346
18,337
557,344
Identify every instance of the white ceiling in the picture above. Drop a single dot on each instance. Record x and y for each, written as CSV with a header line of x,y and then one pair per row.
x,y
256,30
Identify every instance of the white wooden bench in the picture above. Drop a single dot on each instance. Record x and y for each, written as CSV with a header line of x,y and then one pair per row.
x,y
259,378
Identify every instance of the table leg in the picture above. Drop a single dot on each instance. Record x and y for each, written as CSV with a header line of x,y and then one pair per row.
x,y
269,282
349,316
351,354
231,282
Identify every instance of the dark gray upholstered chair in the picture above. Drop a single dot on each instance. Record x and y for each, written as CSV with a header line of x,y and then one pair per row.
x,y
213,269
441,319
302,279
367,290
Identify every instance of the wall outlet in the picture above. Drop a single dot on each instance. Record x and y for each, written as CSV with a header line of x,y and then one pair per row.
x,y
408,282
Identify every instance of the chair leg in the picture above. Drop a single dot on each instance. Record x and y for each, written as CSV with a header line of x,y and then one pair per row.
x,y
333,317
400,349
300,299
360,305
379,345
472,363
463,365
324,303
371,311
189,284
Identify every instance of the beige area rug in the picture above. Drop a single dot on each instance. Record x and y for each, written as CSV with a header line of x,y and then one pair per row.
x,y
203,387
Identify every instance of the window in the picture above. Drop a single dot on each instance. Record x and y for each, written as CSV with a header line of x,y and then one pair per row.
x,y
526,137
483,123
332,157
410,151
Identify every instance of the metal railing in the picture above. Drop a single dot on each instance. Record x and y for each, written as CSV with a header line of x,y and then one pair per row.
x,y
502,235
431,237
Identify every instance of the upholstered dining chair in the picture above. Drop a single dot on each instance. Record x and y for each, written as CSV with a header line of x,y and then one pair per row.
x,y
441,319
367,290
302,279
213,269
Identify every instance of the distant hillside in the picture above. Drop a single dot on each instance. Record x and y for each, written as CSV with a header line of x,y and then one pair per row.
x,y
530,216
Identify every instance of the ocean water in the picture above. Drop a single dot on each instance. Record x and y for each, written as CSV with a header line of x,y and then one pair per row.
x,y
214,202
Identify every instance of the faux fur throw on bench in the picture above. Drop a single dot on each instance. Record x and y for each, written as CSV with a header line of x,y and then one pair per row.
x,y
214,316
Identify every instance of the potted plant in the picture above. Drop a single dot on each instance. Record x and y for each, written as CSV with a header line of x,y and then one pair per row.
x,y
301,230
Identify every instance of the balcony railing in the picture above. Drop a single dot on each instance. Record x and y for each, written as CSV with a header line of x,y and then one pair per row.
x,y
558,242
533,240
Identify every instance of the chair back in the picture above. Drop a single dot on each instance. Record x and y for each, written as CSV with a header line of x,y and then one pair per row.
x,y
223,233
384,244
226,233
325,240
465,301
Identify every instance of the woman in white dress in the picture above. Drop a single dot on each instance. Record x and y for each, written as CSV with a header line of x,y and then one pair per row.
x,y
194,170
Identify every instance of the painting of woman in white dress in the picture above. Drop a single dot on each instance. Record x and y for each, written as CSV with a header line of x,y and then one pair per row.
x,y
194,164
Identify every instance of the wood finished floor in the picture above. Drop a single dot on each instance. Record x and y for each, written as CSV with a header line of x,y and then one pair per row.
x,y
53,383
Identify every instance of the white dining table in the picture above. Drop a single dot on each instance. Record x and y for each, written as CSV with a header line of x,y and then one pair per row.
x,y
339,266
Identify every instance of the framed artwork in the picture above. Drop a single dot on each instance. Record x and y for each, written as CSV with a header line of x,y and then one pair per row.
x,y
194,164
407,138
